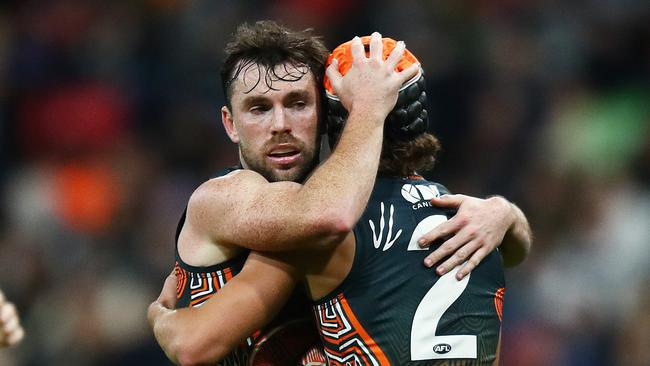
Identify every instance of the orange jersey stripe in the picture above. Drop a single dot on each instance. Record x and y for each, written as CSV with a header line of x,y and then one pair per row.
x,y
204,285
340,325
374,347
181,276
344,337
498,302
215,287
228,274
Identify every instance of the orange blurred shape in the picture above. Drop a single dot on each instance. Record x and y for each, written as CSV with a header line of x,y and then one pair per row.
x,y
87,196
498,302
343,54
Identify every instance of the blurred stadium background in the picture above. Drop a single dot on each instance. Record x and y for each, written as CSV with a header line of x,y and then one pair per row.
x,y
109,117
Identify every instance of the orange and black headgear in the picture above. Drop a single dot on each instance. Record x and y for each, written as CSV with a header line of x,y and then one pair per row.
x,y
407,120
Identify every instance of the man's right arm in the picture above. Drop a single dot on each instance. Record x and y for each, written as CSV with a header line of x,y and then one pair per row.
x,y
244,209
205,335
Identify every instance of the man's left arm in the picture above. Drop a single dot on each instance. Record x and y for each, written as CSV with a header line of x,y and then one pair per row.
x,y
206,334
479,226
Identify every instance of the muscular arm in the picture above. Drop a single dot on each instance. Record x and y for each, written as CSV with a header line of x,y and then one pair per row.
x,y
243,209
205,335
518,239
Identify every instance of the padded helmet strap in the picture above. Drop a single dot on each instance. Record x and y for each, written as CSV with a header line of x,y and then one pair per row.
x,y
407,120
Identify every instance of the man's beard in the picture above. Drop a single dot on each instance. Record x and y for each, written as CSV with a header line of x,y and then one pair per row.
x,y
298,173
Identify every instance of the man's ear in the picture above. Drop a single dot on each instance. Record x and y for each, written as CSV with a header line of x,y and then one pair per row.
x,y
228,124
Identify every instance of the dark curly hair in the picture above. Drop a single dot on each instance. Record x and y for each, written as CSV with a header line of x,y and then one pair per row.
x,y
269,44
401,158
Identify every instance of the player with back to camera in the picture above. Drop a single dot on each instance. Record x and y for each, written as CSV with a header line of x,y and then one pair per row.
x,y
206,334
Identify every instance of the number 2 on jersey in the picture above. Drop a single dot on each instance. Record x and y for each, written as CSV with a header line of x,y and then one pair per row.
x,y
425,344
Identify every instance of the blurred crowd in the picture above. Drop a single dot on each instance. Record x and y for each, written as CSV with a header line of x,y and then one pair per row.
x,y
109,118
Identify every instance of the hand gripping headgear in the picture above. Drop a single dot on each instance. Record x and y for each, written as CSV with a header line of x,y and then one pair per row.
x,y
409,117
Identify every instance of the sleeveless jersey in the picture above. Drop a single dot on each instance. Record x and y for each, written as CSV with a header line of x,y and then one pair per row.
x,y
391,309
197,284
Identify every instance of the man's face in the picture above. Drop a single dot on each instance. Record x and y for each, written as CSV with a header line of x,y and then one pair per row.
x,y
275,122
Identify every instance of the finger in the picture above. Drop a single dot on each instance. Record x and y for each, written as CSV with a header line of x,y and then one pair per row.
x,y
11,325
16,336
168,295
472,263
334,75
449,247
466,250
170,282
441,231
2,298
396,55
448,200
7,311
376,47
409,73
357,50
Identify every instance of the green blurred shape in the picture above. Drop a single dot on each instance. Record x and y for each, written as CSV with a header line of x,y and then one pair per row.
x,y
600,135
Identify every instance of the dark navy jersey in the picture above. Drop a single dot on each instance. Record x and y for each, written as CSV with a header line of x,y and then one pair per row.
x,y
391,309
197,284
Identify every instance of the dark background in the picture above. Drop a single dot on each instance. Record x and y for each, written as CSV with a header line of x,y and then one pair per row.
x,y
109,118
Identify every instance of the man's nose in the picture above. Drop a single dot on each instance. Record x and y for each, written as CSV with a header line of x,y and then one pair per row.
x,y
280,123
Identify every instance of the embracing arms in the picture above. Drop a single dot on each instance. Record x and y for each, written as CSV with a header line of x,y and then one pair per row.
x,y
205,335
518,239
479,226
244,209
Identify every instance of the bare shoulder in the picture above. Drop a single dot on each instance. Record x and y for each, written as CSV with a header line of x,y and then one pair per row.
x,y
235,191
241,182
235,177
225,186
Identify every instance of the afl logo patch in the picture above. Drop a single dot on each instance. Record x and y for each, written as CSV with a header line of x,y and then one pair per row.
x,y
442,348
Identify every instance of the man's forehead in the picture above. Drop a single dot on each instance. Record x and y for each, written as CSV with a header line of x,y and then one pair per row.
x,y
258,79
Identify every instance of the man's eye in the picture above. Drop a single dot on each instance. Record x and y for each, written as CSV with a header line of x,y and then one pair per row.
x,y
258,109
299,104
